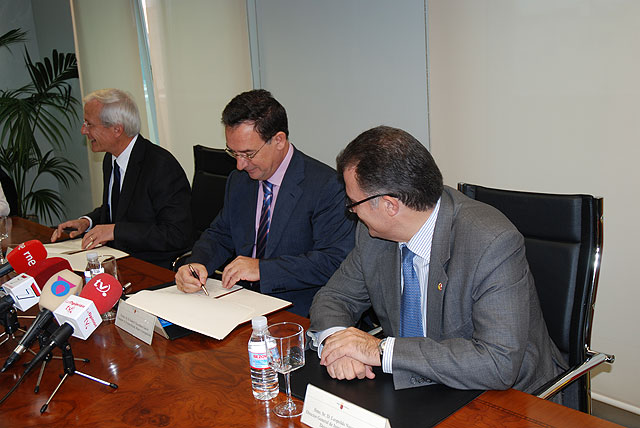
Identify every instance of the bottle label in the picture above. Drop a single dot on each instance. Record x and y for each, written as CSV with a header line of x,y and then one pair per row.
x,y
258,357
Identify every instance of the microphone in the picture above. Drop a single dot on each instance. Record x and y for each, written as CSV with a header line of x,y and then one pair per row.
x,y
43,318
24,256
57,288
79,315
45,269
21,292
24,292
41,273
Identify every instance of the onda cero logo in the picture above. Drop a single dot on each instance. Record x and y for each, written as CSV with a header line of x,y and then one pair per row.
x,y
61,287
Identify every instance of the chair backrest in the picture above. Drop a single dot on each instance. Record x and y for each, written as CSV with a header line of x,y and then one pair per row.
x,y
212,166
214,161
10,193
563,239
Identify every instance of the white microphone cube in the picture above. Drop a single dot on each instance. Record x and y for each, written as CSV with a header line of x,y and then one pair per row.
x,y
23,290
81,314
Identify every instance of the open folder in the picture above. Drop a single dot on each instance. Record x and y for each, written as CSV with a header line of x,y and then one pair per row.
x,y
215,315
72,251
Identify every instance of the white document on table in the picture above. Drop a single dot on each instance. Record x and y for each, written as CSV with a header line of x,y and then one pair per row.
x,y
78,259
215,315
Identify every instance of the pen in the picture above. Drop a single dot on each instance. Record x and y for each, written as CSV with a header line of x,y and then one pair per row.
x,y
195,275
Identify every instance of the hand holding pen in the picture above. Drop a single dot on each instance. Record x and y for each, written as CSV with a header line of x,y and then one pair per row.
x,y
196,276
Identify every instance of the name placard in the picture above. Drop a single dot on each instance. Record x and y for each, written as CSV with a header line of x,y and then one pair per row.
x,y
135,321
325,410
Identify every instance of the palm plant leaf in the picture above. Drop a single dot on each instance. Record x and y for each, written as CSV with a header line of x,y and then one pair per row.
x,y
45,203
53,75
12,36
45,108
62,169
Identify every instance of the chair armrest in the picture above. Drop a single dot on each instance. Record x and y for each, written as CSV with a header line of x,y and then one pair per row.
x,y
179,261
564,379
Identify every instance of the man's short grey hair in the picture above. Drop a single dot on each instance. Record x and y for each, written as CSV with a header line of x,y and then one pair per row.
x,y
118,108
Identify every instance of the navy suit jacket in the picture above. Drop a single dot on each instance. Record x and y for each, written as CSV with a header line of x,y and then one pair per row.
x,y
308,238
153,221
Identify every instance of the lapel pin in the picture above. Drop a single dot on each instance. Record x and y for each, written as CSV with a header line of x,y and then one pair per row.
x,y
439,286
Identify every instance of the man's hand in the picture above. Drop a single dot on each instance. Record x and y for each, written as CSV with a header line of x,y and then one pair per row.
x,y
242,268
186,282
348,368
80,225
352,343
100,234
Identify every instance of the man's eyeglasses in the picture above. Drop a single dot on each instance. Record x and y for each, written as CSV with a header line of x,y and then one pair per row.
x,y
242,155
352,205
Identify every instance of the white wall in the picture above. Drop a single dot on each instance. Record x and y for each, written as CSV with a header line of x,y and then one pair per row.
x,y
107,52
200,60
342,67
544,96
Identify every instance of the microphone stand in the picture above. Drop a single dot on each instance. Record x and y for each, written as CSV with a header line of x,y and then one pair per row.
x,y
43,339
9,320
69,370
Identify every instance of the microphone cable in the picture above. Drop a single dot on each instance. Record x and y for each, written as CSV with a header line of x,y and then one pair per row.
x,y
13,388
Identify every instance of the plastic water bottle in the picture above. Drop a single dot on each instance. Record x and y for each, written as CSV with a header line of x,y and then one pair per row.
x,y
93,267
264,381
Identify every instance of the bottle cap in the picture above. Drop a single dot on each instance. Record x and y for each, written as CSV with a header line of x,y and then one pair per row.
x,y
92,256
258,323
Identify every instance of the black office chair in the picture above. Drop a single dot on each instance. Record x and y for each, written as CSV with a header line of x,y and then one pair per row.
x,y
10,193
563,240
212,167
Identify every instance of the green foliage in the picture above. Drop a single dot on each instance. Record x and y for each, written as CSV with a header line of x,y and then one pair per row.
x,y
43,110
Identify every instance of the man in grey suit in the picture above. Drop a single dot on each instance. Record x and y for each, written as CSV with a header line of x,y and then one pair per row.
x,y
447,277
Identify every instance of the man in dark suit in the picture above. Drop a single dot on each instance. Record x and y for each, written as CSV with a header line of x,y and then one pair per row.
x,y
146,201
447,277
283,221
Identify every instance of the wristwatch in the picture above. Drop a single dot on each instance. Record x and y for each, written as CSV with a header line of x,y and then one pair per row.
x,y
381,346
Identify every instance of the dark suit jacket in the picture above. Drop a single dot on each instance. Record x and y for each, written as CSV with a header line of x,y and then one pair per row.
x,y
153,221
484,323
309,235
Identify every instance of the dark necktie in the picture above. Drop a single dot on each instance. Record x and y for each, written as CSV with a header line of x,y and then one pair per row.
x,y
410,307
265,220
115,191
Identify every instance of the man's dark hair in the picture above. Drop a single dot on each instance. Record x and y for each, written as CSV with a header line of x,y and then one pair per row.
x,y
260,108
390,160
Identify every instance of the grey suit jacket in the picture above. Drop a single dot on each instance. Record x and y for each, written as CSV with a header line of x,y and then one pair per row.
x,y
484,323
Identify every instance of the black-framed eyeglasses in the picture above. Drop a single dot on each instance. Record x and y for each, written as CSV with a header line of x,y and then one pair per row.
x,y
350,206
247,156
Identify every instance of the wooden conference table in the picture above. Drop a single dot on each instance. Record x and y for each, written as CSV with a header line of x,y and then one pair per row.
x,y
196,380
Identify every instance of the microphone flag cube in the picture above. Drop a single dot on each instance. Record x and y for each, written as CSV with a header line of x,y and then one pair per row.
x,y
81,314
23,290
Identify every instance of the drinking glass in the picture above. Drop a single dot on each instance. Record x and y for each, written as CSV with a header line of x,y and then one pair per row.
x,y
4,234
108,265
285,352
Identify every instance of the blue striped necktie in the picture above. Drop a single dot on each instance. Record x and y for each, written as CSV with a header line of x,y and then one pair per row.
x,y
115,191
265,220
410,306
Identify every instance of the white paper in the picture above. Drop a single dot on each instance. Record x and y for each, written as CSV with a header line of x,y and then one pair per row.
x,y
208,315
78,260
325,410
